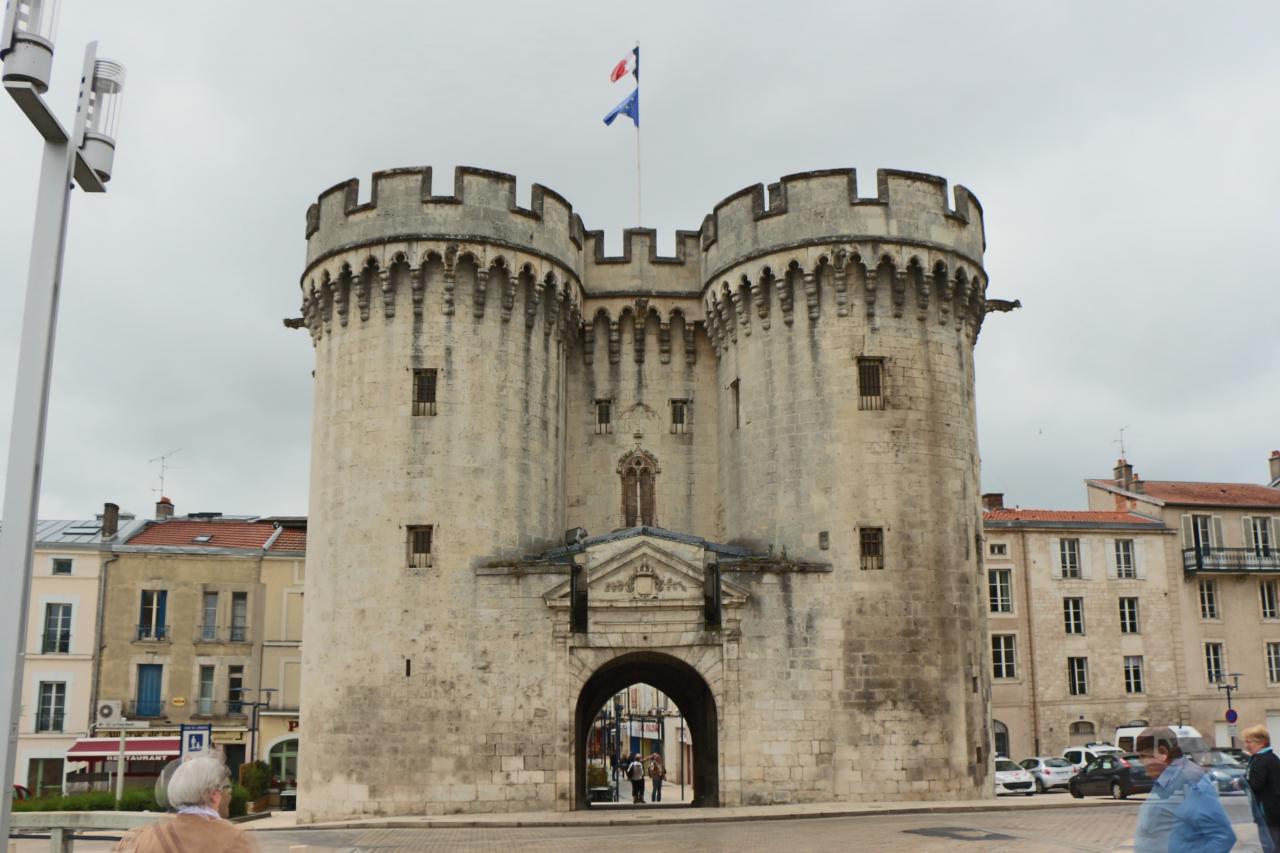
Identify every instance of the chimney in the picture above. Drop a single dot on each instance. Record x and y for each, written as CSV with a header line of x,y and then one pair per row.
x,y
993,500
1136,484
110,519
1123,474
1275,465
164,509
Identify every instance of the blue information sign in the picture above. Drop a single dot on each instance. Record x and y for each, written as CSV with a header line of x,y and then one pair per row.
x,y
196,739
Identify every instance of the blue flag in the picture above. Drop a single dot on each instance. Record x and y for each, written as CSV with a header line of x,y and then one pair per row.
x,y
630,106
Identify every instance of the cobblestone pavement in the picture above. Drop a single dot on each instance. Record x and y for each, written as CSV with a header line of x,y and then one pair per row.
x,y
1031,830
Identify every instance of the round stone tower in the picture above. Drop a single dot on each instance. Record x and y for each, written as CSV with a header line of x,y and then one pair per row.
x,y
440,326
793,392
844,329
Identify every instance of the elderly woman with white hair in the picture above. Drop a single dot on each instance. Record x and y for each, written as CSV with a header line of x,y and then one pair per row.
x,y
200,791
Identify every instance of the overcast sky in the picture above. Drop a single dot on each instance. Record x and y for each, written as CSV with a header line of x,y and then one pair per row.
x,y
1125,154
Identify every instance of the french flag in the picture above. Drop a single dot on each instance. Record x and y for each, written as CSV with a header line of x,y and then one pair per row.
x,y
628,65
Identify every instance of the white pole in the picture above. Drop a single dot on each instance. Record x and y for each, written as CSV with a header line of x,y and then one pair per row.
x,y
26,445
120,760
639,208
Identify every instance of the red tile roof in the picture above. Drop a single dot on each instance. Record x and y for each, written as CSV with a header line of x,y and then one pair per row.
x,y
181,532
1205,494
291,539
1065,515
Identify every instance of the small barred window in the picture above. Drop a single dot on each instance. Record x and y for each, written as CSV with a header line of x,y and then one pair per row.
x,y
679,416
604,417
420,547
424,391
871,384
872,543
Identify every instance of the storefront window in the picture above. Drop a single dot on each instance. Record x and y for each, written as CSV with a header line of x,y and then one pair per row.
x,y
284,761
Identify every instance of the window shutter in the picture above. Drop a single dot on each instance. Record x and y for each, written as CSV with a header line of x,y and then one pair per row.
x,y
1109,545
1217,532
1188,535
1138,567
1275,533
1055,558
1083,556
1247,524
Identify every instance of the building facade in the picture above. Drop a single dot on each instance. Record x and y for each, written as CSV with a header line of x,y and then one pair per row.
x,y
762,450
192,606
1140,610
60,659
1224,562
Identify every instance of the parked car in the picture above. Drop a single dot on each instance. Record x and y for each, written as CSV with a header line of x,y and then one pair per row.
x,y
1227,773
1235,752
1012,779
1081,756
1117,774
1049,772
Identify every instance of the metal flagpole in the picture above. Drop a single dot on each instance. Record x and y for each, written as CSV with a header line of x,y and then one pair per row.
x,y
639,208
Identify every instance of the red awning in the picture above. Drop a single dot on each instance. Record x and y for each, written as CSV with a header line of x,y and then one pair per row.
x,y
136,748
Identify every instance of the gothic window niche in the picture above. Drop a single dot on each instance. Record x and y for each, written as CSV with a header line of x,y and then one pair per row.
x,y
639,505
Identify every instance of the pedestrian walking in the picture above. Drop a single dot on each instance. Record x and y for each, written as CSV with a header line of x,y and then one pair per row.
x,y
657,773
1182,813
1263,782
635,772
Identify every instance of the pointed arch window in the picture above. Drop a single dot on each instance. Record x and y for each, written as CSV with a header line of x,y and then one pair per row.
x,y
639,503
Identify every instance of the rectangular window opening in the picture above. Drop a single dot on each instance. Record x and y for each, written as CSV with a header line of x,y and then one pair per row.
x,y
1073,615
1273,663
424,391
151,620
205,703
1077,676
57,630
1003,656
999,549
1267,592
239,617
235,689
1128,615
679,416
420,546
209,613
52,706
604,417
1213,667
61,566
1208,598
1126,568
1069,557
871,540
735,400
1133,674
870,384
1000,590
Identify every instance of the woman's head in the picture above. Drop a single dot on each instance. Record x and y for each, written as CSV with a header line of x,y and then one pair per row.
x,y
1256,738
200,781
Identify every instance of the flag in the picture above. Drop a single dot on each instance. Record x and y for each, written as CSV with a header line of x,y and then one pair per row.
x,y
630,106
629,65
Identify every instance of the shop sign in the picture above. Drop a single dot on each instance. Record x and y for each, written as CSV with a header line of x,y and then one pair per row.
x,y
293,725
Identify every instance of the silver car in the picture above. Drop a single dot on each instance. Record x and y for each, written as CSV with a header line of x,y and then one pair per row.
x,y
1049,772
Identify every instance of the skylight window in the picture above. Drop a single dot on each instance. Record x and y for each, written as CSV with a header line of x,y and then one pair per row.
x,y
204,537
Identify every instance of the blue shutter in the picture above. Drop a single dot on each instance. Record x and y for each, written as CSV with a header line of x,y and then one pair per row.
x,y
149,689
162,598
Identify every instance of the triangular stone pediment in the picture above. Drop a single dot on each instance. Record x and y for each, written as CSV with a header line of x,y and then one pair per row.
x,y
644,572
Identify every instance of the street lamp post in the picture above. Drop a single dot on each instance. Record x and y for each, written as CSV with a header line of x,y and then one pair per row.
x,y
83,157
1229,687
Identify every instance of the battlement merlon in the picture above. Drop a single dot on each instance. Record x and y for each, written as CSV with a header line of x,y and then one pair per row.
x,y
640,270
824,206
482,209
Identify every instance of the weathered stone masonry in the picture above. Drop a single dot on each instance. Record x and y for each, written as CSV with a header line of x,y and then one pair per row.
x,y
461,685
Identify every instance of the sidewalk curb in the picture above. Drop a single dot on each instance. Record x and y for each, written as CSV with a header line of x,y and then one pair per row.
x,y
680,815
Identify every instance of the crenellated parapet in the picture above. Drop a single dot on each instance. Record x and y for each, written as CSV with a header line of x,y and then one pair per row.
x,y
640,269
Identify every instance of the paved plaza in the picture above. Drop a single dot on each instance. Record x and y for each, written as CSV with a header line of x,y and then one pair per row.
x,y
1051,823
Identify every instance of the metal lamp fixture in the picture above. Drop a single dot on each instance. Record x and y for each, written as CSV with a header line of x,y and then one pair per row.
x,y
27,43
98,145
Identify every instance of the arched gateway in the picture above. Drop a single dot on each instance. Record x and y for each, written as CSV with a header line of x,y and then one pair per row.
x,y
682,683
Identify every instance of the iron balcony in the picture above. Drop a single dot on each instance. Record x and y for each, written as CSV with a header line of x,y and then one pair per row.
x,y
1231,560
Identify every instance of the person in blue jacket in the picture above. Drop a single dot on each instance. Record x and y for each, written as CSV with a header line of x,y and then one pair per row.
x,y
1182,814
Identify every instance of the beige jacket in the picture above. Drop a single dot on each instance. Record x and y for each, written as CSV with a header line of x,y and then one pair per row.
x,y
187,833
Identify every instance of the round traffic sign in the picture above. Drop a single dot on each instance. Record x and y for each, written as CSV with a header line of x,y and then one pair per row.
x,y
1232,716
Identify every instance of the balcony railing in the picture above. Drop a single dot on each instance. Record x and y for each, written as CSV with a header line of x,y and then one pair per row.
x,y
1234,560
144,708
215,710
152,633
207,634
239,634
222,634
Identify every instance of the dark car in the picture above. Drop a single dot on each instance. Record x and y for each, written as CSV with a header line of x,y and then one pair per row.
x,y
1117,774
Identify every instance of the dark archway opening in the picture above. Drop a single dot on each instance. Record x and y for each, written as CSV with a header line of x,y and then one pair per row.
x,y
687,691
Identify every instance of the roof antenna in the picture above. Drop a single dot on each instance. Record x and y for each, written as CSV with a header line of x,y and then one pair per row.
x,y
163,459
1121,442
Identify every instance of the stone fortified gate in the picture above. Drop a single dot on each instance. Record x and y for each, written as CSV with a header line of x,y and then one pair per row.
x,y
771,435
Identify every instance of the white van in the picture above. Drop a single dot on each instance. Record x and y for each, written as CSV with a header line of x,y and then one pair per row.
x,y
1082,756
1188,738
